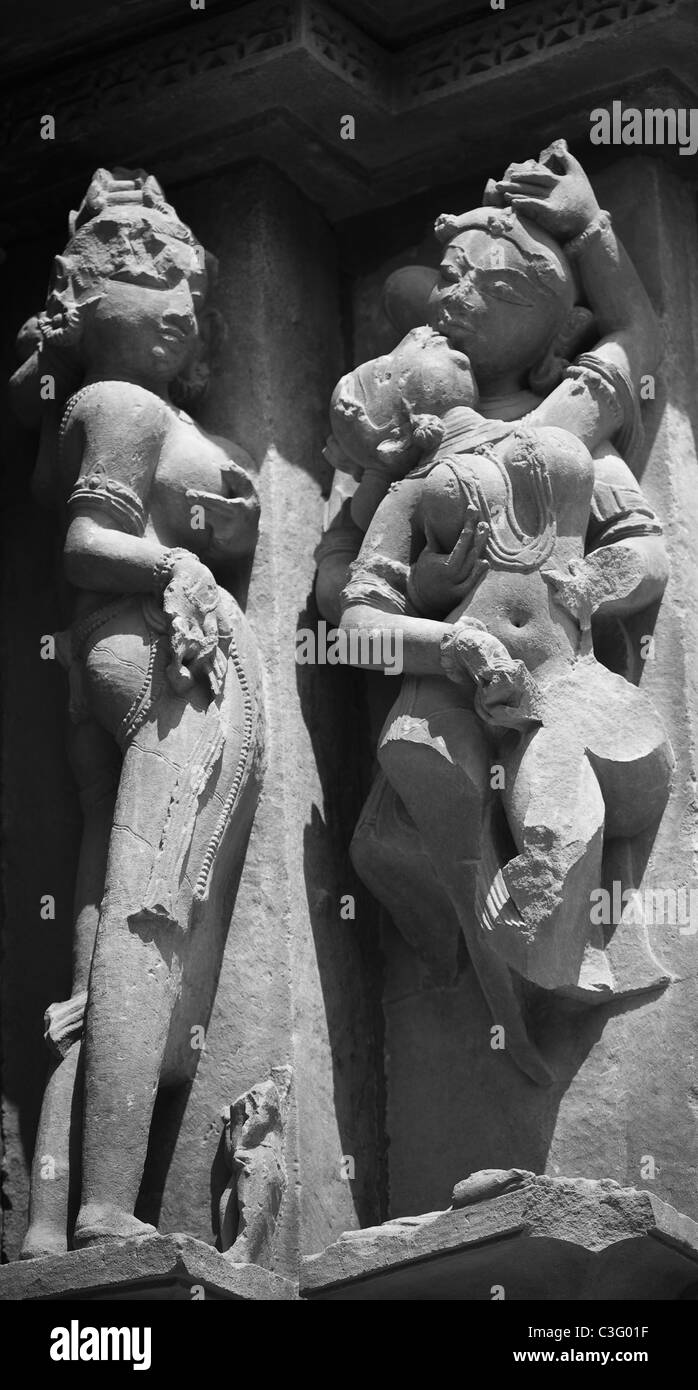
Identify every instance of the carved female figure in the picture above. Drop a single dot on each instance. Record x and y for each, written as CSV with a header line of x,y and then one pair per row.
x,y
165,693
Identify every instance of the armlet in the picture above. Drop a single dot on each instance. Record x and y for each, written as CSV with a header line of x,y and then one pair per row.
x,y
119,502
618,513
379,582
612,386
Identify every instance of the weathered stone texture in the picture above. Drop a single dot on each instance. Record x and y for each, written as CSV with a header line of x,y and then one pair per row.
x,y
625,1090
295,985
551,1239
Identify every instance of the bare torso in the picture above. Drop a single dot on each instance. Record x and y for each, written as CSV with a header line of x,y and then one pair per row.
x,y
548,505
184,481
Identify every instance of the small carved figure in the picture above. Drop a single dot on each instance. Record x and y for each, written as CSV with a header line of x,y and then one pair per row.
x,y
254,1148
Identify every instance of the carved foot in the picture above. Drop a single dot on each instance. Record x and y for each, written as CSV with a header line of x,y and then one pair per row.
x,y
42,1241
596,984
513,935
101,1225
488,1183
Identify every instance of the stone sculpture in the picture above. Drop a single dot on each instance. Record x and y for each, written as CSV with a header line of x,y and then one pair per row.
x,y
166,715
505,518
254,1128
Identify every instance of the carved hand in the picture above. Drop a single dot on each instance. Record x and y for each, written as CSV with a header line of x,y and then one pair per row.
x,y
507,695
438,582
575,591
553,191
190,602
509,698
603,582
231,522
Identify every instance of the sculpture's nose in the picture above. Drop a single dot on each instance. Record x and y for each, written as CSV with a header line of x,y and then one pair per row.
x,y
180,312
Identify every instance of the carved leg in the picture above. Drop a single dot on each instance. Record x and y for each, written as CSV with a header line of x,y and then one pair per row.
x,y
136,970
536,910
95,762
390,857
435,753
600,765
631,957
51,1165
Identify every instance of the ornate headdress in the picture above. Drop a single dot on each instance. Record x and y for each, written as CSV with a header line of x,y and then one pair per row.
x,y
123,230
545,262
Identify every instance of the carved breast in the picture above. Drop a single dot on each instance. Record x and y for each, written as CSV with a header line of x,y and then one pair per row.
x,y
452,487
190,461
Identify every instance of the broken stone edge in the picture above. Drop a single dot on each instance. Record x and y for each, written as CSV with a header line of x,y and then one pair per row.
x,y
170,1260
590,1214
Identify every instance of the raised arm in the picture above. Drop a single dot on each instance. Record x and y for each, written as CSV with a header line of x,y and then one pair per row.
x,y
555,192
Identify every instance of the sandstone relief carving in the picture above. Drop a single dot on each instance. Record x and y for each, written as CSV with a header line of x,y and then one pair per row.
x,y
254,1130
512,1222
165,732
496,528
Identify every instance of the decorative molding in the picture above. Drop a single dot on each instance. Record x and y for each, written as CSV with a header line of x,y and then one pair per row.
x,y
435,66
248,37
345,49
211,81
258,33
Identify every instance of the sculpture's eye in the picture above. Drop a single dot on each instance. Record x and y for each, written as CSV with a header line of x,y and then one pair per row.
x,y
512,287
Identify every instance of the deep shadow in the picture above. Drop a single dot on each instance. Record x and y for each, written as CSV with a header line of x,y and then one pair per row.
x,y
332,701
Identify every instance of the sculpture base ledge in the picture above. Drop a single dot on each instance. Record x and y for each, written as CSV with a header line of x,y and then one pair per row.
x,y
161,1267
550,1239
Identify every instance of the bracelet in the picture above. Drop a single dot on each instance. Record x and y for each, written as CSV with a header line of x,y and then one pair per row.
x,y
577,245
450,665
164,567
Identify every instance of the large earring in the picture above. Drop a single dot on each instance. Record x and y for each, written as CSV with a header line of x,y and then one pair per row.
x,y
576,332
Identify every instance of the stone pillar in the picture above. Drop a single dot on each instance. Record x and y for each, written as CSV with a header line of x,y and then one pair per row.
x,y
295,987
625,1101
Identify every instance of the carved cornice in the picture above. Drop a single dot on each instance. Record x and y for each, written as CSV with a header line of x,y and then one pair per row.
x,y
205,84
527,34
246,40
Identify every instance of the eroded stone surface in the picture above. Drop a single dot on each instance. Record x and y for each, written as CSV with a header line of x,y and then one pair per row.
x,y
255,1127
548,1239
514,755
175,1267
614,1080
622,1103
165,686
491,1182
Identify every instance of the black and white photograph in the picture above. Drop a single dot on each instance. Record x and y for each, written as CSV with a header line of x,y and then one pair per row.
x,y
349,929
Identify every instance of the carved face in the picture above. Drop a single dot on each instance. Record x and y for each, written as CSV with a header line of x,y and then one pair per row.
x,y
145,332
424,374
425,370
491,305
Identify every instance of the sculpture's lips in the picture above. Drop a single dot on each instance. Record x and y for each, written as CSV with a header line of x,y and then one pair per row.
x,y
447,322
